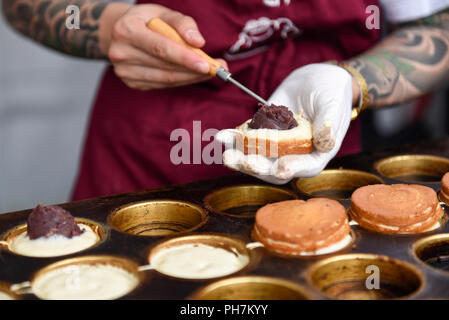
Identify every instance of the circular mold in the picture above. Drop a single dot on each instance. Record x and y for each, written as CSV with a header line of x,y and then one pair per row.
x,y
157,218
243,201
95,277
337,184
413,168
6,293
365,276
434,251
8,238
202,256
251,288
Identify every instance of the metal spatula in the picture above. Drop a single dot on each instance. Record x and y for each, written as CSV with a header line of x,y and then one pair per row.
x,y
216,70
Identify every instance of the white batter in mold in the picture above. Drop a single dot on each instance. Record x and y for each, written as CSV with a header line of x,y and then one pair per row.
x,y
5,296
198,261
85,282
55,245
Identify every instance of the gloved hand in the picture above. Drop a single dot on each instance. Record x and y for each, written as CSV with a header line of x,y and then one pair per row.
x,y
324,93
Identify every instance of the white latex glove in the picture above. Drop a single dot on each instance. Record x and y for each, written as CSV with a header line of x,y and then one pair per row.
x,y
324,93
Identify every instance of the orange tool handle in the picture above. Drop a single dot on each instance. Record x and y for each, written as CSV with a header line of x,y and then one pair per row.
x,y
159,26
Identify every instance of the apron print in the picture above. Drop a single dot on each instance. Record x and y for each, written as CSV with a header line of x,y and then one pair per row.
x,y
275,3
256,33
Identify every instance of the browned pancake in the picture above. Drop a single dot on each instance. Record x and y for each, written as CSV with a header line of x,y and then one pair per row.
x,y
398,208
445,188
296,226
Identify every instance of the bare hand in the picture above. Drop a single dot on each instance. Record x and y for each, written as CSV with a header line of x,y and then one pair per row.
x,y
146,60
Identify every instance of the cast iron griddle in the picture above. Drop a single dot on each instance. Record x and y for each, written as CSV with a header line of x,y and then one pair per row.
x,y
17,269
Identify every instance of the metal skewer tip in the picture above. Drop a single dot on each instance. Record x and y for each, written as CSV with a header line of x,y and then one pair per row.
x,y
227,77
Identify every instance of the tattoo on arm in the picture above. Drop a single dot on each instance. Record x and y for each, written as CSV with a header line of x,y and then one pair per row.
x,y
408,63
45,22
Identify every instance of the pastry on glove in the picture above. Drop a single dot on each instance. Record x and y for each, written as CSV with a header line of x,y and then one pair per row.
x,y
275,131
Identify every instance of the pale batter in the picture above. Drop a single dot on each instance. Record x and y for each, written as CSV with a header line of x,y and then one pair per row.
x,y
55,245
5,296
84,282
198,261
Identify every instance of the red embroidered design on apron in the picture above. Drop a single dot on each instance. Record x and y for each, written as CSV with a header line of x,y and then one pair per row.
x,y
257,33
275,3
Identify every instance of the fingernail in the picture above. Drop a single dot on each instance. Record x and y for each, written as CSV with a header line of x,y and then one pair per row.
x,y
194,35
202,67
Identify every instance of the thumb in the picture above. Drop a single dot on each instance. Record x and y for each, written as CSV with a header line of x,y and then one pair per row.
x,y
287,94
185,26
332,118
327,119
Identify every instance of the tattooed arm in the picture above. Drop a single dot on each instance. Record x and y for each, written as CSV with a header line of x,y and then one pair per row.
x,y
141,58
409,62
45,22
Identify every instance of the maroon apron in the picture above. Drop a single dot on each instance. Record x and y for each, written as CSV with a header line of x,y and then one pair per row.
x,y
128,144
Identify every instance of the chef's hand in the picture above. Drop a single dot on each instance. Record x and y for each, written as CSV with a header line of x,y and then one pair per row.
x,y
146,60
325,93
